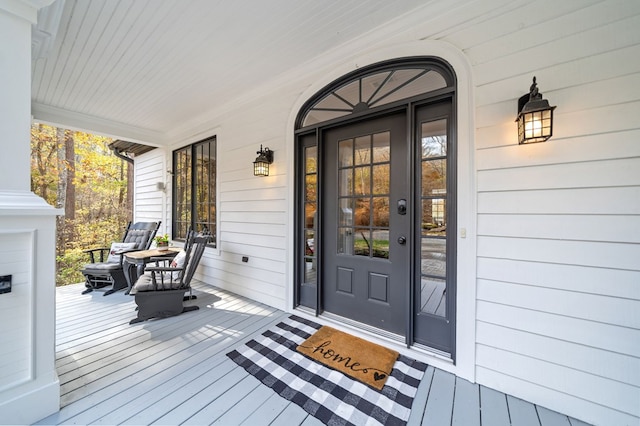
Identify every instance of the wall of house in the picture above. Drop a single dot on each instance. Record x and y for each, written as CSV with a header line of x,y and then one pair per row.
x,y
548,293
152,204
559,222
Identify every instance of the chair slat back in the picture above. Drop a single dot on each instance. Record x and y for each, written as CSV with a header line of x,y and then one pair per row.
x,y
194,253
141,233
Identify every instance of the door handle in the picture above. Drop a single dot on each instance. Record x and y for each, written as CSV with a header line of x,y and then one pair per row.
x,y
402,207
402,240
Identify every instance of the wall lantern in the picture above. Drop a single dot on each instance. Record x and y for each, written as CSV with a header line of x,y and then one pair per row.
x,y
261,165
535,117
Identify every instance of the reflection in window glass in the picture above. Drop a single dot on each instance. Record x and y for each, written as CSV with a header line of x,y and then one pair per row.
x,y
363,150
434,177
310,207
366,213
433,190
433,296
194,183
380,246
345,153
434,139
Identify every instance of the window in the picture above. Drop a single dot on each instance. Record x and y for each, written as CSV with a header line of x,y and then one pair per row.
x,y
194,189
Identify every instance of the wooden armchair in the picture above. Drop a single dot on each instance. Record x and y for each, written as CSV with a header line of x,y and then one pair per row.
x,y
160,291
104,271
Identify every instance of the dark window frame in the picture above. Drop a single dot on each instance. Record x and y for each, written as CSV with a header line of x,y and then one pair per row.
x,y
190,178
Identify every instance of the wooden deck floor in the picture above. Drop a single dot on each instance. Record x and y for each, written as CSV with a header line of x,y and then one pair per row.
x,y
174,371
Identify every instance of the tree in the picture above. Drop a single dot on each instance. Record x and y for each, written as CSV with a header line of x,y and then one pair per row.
x,y
78,172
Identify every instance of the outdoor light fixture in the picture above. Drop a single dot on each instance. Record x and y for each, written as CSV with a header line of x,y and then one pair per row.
x,y
261,165
535,117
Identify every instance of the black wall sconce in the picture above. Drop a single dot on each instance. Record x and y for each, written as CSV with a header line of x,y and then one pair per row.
x,y
261,165
535,117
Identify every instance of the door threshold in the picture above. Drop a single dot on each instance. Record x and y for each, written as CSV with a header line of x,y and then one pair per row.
x,y
365,329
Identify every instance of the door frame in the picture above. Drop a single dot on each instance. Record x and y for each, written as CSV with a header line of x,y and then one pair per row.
x,y
315,132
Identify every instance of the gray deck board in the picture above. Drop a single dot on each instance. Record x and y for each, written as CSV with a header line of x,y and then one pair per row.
x,y
522,413
493,406
420,400
292,415
175,370
552,418
466,404
439,407
267,412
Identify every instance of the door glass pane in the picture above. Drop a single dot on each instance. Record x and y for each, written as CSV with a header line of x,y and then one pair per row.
x,y
434,177
381,179
381,150
363,150
433,296
362,242
362,215
380,214
380,243
434,217
345,153
310,215
345,214
345,240
345,187
434,138
311,188
433,255
311,159
362,180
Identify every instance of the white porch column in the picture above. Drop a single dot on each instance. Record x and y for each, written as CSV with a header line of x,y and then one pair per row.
x,y
29,387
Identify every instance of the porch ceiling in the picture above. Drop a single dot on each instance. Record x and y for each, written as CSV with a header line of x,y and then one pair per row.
x,y
139,70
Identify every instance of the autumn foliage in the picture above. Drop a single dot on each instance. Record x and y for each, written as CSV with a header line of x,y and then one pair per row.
x,y
77,172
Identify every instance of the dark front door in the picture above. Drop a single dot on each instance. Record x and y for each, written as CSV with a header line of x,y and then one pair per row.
x,y
366,222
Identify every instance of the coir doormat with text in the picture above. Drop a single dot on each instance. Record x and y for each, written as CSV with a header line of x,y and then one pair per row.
x,y
355,357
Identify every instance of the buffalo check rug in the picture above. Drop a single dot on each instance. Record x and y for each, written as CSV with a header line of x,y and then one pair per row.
x,y
325,393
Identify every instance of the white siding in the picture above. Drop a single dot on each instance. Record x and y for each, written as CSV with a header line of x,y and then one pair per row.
x,y
150,203
558,223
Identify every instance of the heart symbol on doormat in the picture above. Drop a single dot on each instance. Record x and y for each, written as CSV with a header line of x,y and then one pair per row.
x,y
378,376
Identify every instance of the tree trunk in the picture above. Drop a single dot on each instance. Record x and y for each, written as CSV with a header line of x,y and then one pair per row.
x,y
70,159
61,192
129,191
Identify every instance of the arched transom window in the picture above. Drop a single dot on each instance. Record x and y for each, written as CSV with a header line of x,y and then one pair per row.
x,y
378,88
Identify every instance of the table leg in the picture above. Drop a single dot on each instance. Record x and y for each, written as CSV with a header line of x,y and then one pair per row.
x,y
129,269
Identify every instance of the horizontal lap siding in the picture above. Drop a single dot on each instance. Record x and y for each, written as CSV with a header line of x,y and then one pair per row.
x,y
253,210
151,203
559,222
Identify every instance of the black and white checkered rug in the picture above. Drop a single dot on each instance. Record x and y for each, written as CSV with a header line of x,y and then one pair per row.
x,y
327,394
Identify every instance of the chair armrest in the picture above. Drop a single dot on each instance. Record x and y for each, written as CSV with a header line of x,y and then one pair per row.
x,y
92,252
161,272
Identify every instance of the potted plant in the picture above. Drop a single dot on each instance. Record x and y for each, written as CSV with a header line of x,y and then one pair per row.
x,y
162,242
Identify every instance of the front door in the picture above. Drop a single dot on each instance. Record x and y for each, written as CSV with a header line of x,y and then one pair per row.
x,y
366,222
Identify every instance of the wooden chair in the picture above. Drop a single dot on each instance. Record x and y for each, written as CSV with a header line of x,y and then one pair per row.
x,y
104,271
160,291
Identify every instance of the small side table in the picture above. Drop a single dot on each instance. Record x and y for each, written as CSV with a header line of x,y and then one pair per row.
x,y
135,261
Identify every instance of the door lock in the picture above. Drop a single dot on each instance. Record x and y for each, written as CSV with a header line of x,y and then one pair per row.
x,y
402,207
402,240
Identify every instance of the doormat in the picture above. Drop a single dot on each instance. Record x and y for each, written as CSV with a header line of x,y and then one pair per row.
x,y
355,357
327,394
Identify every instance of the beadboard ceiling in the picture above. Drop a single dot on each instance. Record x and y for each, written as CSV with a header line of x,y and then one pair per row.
x,y
138,69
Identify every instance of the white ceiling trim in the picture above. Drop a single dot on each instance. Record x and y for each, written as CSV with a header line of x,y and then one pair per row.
x,y
86,123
